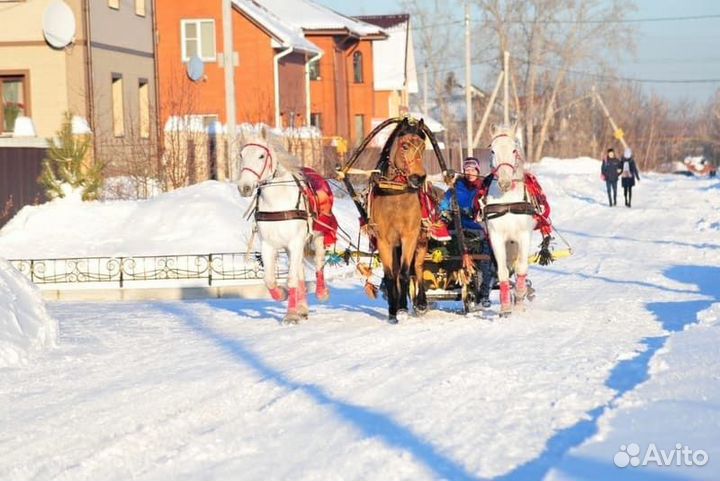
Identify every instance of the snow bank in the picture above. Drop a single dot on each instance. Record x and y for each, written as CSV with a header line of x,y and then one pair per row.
x,y
25,325
202,218
580,165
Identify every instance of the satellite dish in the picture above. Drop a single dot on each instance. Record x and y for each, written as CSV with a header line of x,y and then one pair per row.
x,y
195,68
58,24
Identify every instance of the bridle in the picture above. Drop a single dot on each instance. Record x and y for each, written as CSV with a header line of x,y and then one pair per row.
x,y
516,155
404,170
268,161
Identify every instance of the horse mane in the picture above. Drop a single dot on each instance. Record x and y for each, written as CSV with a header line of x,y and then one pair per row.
x,y
285,158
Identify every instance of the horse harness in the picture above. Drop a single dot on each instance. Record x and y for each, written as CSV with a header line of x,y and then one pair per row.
x,y
264,216
293,214
494,211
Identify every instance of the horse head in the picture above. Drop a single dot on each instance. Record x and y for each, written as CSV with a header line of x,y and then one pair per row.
x,y
258,162
407,152
506,157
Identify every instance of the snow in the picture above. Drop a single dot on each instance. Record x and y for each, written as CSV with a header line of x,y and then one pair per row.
x,y
619,347
288,35
201,219
25,326
312,16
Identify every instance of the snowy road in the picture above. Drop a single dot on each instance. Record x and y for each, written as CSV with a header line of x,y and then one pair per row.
x,y
218,390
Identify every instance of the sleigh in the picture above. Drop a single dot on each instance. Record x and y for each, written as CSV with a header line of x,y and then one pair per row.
x,y
449,270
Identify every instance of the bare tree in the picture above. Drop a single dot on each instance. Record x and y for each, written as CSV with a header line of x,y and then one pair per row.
x,y
548,38
440,52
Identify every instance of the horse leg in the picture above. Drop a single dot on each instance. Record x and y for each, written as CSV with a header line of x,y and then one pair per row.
x,y
295,254
409,245
521,287
503,273
420,301
322,293
385,250
269,258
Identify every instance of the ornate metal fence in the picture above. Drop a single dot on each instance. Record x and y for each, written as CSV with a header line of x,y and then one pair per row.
x,y
120,270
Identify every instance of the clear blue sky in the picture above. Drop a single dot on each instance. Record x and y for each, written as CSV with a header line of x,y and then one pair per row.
x,y
668,50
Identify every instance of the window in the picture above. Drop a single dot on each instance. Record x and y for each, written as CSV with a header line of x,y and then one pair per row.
x,y
358,67
114,4
144,103
359,128
118,110
14,98
140,7
316,120
314,69
198,38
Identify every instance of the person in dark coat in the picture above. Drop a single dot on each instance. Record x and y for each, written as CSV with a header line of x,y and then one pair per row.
x,y
628,174
610,172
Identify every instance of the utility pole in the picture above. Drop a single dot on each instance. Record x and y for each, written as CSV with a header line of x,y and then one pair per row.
x,y
488,109
229,59
506,68
425,90
468,85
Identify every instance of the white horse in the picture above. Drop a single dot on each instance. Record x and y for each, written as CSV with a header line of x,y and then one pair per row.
x,y
268,170
509,216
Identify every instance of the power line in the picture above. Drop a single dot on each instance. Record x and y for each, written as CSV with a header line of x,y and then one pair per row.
x,y
624,20
626,79
609,21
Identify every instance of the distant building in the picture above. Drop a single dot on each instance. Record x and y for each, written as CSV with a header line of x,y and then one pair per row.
x,y
111,83
394,70
342,80
270,74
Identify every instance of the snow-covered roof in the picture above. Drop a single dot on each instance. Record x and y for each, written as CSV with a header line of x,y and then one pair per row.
x,y
390,72
285,34
312,17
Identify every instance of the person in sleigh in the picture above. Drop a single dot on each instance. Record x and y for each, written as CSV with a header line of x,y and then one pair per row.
x,y
467,188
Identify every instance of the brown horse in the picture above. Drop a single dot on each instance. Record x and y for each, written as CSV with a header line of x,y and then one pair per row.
x,y
396,215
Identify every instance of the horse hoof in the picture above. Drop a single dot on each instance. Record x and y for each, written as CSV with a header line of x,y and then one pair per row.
x,y
322,295
291,318
392,319
279,293
504,314
421,310
303,311
402,315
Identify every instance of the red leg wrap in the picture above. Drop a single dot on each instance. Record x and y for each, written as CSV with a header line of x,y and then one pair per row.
x,y
321,290
505,293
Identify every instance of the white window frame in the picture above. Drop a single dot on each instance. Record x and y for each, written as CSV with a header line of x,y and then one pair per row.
x,y
197,22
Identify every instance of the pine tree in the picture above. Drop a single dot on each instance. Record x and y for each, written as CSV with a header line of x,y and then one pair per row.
x,y
65,168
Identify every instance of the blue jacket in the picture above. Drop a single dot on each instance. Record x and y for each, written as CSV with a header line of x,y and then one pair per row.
x,y
466,193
